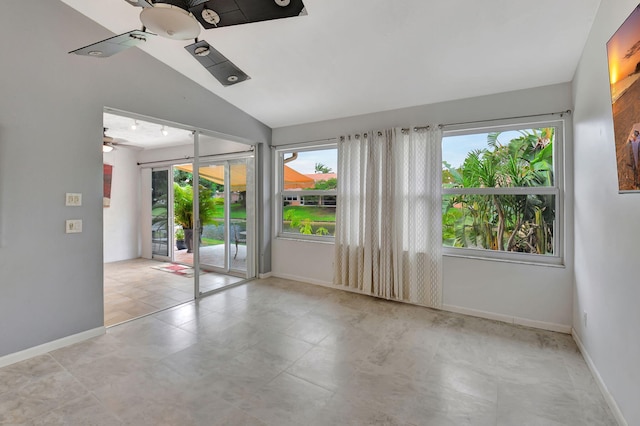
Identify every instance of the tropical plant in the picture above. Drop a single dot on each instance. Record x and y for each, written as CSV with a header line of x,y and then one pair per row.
x,y
306,228
322,231
321,168
502,221
331,183
183,205
183,209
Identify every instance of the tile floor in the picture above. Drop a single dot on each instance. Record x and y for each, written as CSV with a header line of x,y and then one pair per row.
x,y
278,352
214,255
132,288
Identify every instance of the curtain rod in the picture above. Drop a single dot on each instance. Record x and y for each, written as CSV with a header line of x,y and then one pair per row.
x,y
560,113
191,158
304,142
440,126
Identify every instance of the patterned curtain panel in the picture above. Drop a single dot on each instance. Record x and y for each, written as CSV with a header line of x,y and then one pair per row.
x,y
389,215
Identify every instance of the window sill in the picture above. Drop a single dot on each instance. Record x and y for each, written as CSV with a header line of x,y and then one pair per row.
x,y
324,240
553,262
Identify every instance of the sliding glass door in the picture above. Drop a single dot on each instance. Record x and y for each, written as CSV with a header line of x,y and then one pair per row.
x,y
161,238
226,204
242,207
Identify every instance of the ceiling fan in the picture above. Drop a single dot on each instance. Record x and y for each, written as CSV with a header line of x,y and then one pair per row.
x,y
109,143
183,19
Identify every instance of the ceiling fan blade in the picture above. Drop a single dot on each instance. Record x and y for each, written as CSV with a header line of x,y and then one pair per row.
x,y
194,3
139,3
216,13
113,45
225,71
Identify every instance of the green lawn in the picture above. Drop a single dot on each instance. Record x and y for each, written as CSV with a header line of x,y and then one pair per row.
x,y
313,213
238,211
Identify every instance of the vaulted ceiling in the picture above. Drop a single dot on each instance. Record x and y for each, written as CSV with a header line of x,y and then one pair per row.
x,y
353,57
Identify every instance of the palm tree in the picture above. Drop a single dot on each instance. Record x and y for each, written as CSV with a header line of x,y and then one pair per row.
x,y
321,168
183,209
504,222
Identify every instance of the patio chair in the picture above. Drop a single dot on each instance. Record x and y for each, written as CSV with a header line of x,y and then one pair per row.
x,y
239,237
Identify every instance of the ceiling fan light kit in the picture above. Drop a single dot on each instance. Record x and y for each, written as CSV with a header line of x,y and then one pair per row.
x,y
170,21
182,20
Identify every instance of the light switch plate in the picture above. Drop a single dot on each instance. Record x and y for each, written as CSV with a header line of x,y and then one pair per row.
x,y
73,199
73,226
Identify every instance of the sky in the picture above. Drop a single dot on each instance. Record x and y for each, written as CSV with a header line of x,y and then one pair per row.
x,y
306,161
623,49
454,151
456,148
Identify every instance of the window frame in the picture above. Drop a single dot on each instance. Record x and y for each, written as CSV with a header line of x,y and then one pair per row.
x,y
560,125
281,193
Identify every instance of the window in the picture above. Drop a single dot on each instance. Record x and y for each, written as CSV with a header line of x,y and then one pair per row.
x,y
501,192
307,181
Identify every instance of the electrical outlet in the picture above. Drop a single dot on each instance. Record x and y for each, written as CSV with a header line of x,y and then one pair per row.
x,y
584,318
73,226
73,199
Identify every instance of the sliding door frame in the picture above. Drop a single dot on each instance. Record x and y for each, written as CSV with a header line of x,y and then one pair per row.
x,y
224,160
252,151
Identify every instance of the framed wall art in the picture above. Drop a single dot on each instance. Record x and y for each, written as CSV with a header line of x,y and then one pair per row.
x,y
623,54
107,174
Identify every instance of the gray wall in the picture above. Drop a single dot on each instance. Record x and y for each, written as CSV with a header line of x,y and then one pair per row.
x,y
606,226
535,295
51,108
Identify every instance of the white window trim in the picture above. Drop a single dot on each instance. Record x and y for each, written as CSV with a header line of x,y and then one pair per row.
x,y
280,192
559,241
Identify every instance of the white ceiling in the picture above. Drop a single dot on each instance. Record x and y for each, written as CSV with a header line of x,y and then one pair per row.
x,y
145,135
359,56
148,135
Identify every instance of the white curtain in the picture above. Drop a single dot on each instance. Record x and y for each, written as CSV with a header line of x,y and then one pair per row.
x,y
389,215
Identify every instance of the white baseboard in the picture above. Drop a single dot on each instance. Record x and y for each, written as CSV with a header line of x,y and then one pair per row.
x,y
265,275
50,346
596,375
560,328
302,279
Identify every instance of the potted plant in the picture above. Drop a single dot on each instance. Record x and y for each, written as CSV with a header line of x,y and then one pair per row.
x,y
183,210
180,245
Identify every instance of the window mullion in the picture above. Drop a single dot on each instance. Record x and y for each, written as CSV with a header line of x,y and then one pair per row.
x,y
527,190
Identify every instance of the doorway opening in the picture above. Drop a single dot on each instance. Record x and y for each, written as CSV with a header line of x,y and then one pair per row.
x,y
152,211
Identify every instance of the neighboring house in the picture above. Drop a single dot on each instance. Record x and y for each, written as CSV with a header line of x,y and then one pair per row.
x,y
313,200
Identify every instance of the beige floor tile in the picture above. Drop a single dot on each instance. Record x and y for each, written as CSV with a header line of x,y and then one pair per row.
x,y
133,288
279,352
